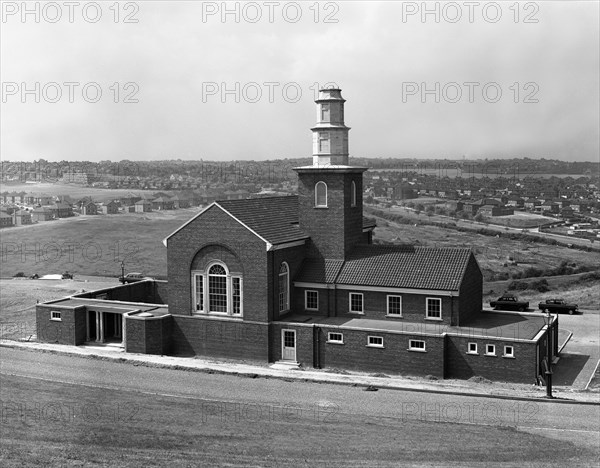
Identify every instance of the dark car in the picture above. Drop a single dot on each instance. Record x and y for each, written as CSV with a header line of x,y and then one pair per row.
x,y
132,278
508,302
558,306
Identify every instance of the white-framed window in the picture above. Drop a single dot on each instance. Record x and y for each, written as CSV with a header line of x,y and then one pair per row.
x,y
198,292
284,287
352,194
336,338
394,306
490,350
324,145
416,345
375,341
509,351
325,112
216,291
472,348
356,303
311,300
56,315
433,308
321,194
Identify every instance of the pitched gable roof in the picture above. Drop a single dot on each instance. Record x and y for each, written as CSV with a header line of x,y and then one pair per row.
x,y
392,266
405,267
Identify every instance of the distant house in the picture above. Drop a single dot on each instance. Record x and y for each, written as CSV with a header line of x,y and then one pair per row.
x,y
9,209
180,201
143,206
162,203
62,210
491,210
516,201
21,218
550,207
129,199
6,220
579,206
42,213
110,208
89,208
566,212
531,203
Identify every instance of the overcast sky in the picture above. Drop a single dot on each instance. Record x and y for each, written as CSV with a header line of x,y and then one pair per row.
x,y
186,66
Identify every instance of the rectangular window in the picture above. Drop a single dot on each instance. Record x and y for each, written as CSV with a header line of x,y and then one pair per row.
x,y
509,351
325,112
199,292
311,300
336,338
416,345
472,349
490,350
394,306
236,284
375,341
55,315
356,303
434,308
324,146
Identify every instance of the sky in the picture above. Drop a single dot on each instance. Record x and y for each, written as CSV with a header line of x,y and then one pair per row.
x,y
151,80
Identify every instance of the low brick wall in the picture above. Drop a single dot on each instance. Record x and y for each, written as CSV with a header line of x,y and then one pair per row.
x,y
148,335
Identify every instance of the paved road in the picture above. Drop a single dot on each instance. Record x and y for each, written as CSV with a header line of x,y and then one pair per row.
x,y
577,423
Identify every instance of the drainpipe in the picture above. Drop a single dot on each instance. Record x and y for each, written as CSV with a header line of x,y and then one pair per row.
x,y
317,359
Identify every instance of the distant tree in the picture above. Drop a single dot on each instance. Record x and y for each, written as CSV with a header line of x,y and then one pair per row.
x,y
479,217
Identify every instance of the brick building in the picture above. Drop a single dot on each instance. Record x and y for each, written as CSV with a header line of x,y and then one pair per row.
x,y
298,280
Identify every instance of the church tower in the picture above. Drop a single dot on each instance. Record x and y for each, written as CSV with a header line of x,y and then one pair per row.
x,y
330,191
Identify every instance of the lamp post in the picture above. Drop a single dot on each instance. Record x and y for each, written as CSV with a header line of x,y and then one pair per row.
x,y
122,272
548,320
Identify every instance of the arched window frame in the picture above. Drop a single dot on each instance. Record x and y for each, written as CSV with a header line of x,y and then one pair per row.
x,y
284,287
201,292
353,194
317,185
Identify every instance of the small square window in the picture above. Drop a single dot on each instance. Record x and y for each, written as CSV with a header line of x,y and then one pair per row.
x,y
311,300
336,338
509,351
356,303
55,315
472,348
394,306
375,341
490,350
416,345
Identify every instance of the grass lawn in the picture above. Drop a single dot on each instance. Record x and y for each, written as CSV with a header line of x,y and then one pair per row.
x,y
52,424
73,190
92,245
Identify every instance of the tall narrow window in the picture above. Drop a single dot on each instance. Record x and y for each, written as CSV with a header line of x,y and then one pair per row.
x,y
324,146
325,112
284,290
217,289
352,194
236,284
321,194
199,292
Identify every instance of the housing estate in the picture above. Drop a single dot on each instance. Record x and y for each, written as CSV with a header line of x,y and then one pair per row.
x,y
298,280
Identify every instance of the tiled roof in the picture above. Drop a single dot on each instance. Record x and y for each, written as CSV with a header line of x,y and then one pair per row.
x,y
405,267
273,218
319,271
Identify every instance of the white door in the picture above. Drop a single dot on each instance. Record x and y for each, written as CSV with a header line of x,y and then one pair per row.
x,y
288,345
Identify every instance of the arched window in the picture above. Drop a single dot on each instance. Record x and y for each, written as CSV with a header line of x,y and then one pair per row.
x,y
217,289
321,194
284,287
352,194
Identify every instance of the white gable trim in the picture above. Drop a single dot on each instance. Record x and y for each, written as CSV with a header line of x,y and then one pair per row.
x,y
269,245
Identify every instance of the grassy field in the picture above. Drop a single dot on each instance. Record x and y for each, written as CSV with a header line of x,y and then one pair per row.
x,y
74,191
92,245
72,425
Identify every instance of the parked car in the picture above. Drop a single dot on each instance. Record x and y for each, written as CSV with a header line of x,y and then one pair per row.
x,y
67,275
132,278
508,302
558,306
